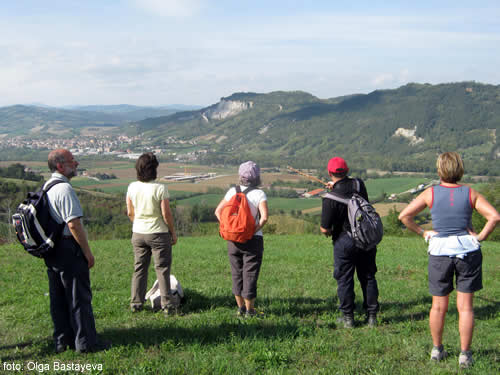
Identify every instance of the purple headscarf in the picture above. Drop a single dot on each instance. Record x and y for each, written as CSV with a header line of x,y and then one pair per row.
x,y
249,174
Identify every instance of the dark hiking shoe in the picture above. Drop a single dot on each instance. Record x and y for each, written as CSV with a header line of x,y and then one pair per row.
x,y
171,310
347,320
62,347
98,347
438,353
240,313
135,308
372,320
465,359
254,314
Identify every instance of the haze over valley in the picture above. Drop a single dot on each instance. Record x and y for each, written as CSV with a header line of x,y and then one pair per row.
x,y
397,130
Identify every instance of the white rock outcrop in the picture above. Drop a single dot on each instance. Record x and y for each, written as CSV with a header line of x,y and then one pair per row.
x,y
264,129
225,109
408,134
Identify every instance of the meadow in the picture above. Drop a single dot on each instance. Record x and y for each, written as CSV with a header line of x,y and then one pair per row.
x,y
285,204
299,333
125,173
390,185
227,177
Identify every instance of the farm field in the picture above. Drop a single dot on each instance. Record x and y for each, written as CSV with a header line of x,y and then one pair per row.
x,y
375,187
17,181
125,173
275,203
382,208
31,164
299,333
392,185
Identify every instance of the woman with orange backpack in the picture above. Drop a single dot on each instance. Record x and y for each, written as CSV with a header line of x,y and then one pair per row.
x,y
245,243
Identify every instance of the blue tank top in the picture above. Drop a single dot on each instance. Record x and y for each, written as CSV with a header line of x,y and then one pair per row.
x,y
451,210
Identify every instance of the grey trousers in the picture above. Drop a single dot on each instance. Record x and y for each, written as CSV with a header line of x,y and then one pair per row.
x,y
245,259
160,246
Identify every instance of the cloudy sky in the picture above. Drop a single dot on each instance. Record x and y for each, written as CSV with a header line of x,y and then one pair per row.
x,y
158,52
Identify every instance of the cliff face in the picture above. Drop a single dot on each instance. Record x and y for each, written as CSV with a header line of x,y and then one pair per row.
x,y
408,134
225,109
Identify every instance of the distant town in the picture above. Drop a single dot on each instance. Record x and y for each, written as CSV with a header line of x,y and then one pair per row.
x,y
123,146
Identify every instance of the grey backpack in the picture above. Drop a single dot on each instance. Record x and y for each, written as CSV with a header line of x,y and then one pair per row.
x,y
366,225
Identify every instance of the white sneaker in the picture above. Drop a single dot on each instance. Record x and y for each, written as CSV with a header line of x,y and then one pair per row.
x,y
465,359
438,354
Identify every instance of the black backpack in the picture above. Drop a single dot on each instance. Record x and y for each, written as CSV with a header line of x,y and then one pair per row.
x,y
37,231
366,225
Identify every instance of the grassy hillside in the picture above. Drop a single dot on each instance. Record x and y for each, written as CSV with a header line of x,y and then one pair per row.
x,y
296,291
37,121
34,121
300,129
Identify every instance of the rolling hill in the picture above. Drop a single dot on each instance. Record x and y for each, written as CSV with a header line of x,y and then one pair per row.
x,y
37,120
401,129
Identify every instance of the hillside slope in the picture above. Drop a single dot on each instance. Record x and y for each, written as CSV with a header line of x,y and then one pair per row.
x,y
34,120
390,129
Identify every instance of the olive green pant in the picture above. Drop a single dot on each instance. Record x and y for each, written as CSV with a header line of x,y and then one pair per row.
x,y
160,246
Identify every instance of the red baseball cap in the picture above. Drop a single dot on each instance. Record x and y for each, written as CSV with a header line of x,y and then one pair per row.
x,y
337,165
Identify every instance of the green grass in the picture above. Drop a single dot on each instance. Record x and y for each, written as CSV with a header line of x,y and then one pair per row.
x,y
83,181
285,204
113,189
391,185
210,200
297,292
19,181
288,204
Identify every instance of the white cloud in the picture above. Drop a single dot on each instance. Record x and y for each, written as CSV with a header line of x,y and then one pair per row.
x,y
382,79
195,51
169,8
400,77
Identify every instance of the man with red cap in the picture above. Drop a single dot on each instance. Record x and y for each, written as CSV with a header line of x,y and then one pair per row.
x,y
347,257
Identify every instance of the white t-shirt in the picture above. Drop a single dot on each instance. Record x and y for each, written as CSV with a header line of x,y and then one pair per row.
x,y
146,198
254,198
64,204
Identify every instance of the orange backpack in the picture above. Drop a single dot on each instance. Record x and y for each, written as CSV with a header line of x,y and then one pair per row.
x,y
236,221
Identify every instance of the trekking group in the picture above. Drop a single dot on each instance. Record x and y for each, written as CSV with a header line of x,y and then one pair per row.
x,y
347,217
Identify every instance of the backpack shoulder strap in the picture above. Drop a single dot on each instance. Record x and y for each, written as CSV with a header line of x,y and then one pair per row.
x,y
249,189
356,185
51,184
336,197
237,188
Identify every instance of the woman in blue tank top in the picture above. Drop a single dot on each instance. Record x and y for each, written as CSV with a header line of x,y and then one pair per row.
x,y
454,249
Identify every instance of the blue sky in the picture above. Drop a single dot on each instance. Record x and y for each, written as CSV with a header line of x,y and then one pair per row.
x,y
156,52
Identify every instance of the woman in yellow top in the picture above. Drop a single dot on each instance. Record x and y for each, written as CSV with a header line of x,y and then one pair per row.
x,y
153,233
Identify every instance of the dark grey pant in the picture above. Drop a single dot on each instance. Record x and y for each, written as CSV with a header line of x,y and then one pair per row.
x,y
347,259
160,246
245,259
71,296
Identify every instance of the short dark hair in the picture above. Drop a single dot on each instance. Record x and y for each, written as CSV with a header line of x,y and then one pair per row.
x,y
56,157
339,175
146,167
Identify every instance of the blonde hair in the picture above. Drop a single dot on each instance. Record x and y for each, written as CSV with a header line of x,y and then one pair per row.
x,y
450,167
